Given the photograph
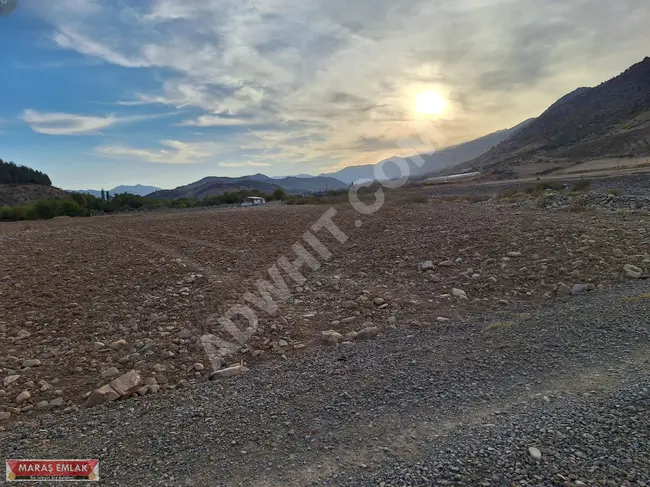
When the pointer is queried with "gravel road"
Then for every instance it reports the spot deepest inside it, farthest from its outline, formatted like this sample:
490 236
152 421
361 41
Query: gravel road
459 403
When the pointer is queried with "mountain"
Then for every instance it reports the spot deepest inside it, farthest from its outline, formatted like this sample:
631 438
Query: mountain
213 186
138 189
295 176
609 120
440 159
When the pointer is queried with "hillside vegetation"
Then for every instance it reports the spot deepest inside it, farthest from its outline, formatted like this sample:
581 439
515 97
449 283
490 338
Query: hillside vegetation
610 120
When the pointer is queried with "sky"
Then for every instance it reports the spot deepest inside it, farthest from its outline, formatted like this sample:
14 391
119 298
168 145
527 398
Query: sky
99 93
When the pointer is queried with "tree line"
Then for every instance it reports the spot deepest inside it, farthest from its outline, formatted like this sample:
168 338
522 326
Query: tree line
84 204
11 173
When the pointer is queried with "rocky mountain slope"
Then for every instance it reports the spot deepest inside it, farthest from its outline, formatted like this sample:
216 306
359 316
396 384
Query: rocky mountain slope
19 194
610 120
441 159
213 186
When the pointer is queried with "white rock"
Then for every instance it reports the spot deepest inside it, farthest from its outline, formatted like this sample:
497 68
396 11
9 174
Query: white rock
98 346
24 334
446 263
10 379
442 319
427 265
514 254
632 271
535 453
331 337
198 366
459 293
230 371
22 397
118 344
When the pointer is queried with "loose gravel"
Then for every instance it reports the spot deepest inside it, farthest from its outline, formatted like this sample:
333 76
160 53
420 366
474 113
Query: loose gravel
456 403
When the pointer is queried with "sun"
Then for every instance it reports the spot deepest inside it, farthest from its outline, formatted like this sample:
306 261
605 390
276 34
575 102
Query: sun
430 103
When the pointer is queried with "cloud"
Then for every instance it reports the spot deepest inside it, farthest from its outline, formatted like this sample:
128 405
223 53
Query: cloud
54 123
333 82
173 152
245 164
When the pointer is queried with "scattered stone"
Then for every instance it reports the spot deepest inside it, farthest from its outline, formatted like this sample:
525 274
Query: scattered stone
42 405
22 397
632 271
378 301
31 363
22 334
459 293
161 379
57 403
110 373
563 290
4 415
198 366
118 344
98 346
367 333
446 263
150 381
230 371
154 389
442 319
534 453
618 253
126 383
427 265
10 379
100 396
283 343
331 337
514 254
183 384
579 289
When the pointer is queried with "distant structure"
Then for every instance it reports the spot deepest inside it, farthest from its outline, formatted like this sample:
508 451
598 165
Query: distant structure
453 177
254 201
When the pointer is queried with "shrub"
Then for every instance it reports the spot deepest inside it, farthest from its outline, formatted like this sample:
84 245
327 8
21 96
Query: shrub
582 185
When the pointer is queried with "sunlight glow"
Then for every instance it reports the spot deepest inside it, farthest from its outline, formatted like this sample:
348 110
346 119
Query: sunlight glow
430 103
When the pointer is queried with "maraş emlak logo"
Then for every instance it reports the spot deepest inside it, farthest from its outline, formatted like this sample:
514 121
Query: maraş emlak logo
52 470
7 6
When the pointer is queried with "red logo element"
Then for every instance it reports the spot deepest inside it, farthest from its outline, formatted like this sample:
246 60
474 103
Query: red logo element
48 470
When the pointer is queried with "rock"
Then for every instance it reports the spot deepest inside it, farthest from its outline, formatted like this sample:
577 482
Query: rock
22 397
378 301
446 263
127 383
590 287
4 415
98 346
331 337
110 372
575 274
100 396
182 384
198 366
118 344
492 279
618 253
161 379
283 343
579 289
42 405
534 453
632 271
230 371
10 379
150 381
459 293
22 334
563 290
474 277
351 335
427 265
154 389
514 254
31 363
367 333
442 319
57 403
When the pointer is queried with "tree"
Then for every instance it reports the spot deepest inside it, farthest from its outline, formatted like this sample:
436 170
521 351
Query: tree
103 195
108 196
279 194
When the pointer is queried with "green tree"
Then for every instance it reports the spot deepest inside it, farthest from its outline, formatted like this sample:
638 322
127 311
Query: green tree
279 194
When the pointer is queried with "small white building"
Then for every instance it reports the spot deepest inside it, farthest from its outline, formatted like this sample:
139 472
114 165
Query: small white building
254 201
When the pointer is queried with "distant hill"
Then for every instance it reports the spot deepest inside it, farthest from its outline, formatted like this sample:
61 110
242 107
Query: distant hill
609 120
10 173
214 186
441 159
21 184
138 189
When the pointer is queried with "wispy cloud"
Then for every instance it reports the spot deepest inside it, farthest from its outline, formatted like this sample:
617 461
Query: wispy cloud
333 82
54 123
245 164
173 152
